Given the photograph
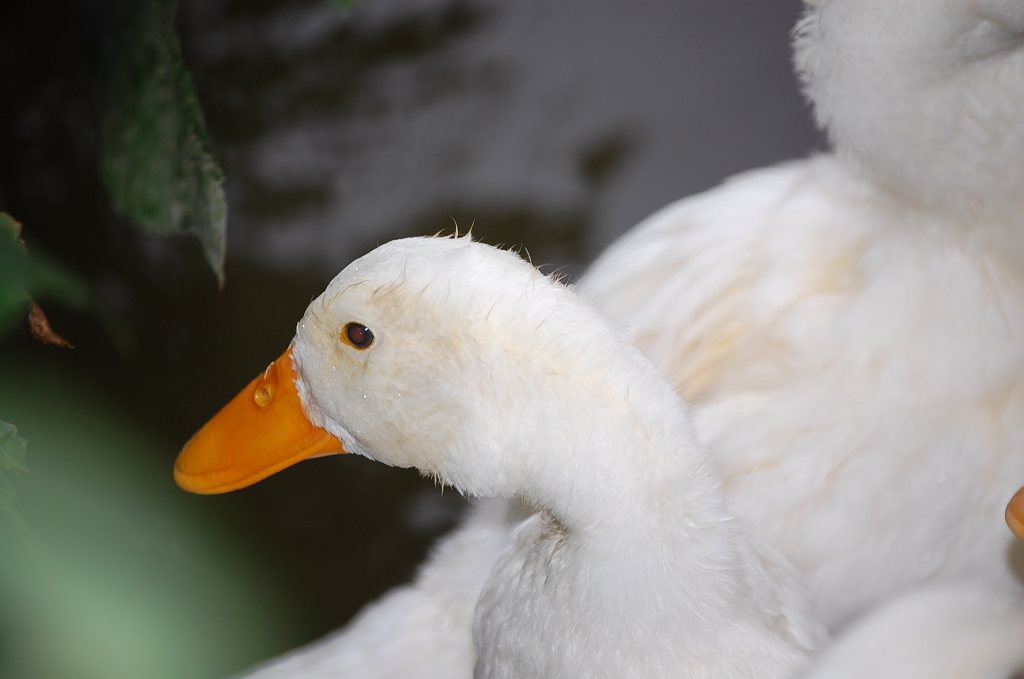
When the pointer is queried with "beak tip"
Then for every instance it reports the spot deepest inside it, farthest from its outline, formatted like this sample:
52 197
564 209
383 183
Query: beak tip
180 478
183 480
198 483
261 431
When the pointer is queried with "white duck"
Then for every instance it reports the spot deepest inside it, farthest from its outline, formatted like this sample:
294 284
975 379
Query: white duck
463 361
849 330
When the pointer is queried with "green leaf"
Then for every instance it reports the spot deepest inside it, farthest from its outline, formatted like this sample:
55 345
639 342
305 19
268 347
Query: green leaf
155 157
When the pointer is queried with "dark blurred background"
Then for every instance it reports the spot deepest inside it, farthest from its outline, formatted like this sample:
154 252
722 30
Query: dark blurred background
555 125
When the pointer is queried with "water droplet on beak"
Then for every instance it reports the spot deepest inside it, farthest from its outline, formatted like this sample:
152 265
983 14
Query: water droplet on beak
262 395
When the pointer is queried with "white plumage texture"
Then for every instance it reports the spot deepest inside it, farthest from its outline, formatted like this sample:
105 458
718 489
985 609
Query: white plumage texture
953 631
854 368
848 329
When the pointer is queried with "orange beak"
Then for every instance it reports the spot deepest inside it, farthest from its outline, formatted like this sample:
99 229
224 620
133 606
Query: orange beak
1015 514
259 432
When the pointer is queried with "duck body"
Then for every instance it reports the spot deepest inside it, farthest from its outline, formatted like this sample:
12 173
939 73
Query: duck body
854 366
849 329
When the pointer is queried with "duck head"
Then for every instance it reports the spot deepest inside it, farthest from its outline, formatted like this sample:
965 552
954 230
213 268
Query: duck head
435 353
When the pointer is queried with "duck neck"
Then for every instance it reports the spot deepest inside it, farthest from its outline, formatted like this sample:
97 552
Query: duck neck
634 481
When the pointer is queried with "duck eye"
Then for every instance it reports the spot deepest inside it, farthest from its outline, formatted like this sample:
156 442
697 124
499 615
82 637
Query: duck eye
357 335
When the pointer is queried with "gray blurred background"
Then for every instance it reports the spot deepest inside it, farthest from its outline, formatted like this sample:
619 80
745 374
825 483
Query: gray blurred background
556 125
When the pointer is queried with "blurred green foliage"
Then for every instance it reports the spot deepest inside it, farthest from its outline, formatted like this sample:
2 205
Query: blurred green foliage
155 156
105 573
121 576
23 276
108 570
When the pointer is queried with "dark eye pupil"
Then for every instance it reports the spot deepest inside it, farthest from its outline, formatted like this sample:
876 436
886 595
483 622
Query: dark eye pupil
359 335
